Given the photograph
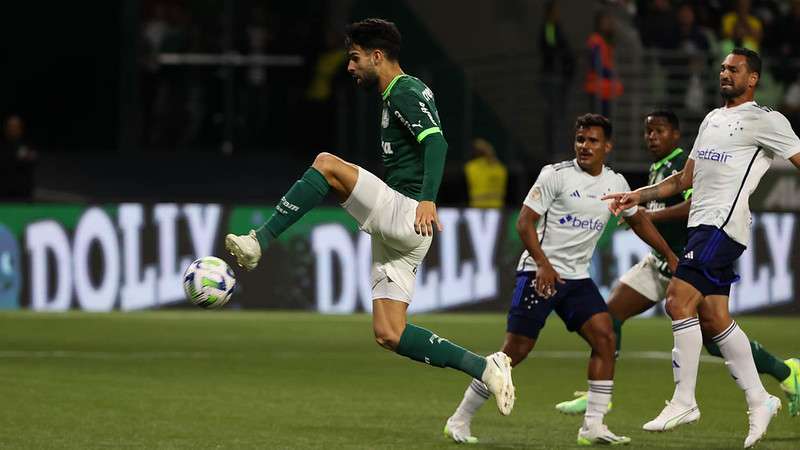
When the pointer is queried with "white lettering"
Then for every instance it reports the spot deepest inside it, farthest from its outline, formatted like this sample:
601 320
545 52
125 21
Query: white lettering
95 225
41 237
170 277
328 242
203 221
139 285
779 229
364 256
457 278
751 290
483 226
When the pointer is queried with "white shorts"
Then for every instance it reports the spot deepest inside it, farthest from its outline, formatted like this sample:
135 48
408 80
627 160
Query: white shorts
397 249
646 279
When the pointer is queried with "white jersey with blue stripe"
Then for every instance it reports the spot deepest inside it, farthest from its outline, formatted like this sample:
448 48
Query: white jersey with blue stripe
572 215
733 149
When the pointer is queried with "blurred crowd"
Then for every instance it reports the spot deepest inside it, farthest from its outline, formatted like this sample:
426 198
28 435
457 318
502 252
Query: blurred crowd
207 105
693 32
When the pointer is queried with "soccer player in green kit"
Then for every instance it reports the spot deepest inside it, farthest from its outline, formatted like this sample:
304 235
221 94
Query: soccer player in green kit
645 284
399 213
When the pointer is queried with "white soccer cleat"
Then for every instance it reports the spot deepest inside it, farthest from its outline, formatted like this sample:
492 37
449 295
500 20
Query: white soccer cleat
245 248
600 434
671 416
497 377
459 431
760 416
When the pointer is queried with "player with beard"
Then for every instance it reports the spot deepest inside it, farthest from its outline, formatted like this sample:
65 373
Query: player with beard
560 222
645 284
735 146
398 212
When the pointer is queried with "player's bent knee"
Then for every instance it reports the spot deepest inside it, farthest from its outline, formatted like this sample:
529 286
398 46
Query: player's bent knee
678 309
325 163
387 339
605 342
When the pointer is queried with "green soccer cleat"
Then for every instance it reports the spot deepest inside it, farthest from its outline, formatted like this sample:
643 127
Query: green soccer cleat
791 386
576 406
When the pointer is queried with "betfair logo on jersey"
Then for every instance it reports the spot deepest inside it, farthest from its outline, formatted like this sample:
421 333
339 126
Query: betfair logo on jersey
583 224
711 154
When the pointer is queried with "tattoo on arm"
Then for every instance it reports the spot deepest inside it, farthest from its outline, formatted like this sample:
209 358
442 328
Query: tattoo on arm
649 193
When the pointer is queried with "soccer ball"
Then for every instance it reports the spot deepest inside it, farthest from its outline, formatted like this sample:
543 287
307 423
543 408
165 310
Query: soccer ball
209 282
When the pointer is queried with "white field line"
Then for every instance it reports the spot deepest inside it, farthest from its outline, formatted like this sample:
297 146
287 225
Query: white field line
69 354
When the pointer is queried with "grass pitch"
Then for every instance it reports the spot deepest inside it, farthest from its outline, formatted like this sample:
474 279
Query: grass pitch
272 380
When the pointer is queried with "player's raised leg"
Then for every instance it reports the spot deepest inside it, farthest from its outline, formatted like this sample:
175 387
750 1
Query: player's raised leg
682 301
327 173
598 332
458 426
735 348
624 303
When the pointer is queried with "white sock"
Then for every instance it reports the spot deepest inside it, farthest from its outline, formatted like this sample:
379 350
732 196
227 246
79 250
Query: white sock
735 348
686 359
476 395
597 401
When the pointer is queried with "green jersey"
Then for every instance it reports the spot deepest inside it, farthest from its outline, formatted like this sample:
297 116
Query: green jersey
409 115
674 232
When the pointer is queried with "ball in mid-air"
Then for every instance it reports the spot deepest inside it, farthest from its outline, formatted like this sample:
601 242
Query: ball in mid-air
209 282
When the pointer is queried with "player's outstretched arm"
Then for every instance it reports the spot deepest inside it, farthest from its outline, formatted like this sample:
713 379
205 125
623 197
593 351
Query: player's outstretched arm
644 228
675 183
672 213
546 276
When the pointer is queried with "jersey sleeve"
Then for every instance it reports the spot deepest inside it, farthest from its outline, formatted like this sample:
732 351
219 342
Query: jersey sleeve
544 191
776 134
415 110
625 187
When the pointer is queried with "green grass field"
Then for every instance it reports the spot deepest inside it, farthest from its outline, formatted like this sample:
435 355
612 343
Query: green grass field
241 380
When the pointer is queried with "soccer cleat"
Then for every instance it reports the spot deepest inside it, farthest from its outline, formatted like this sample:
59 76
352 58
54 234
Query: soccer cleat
245 248
577 405
497 377
600 434
459 431
791 386
759 418
671 416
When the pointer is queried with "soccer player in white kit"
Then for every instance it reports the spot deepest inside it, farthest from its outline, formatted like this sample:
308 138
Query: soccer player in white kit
733 149
560 222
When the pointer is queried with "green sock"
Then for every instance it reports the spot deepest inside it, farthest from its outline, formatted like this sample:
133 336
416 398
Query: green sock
305 194
765 361
617 324
422 345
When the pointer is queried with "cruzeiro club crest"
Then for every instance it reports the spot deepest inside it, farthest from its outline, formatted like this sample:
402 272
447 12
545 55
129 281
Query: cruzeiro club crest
385 117
9 269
